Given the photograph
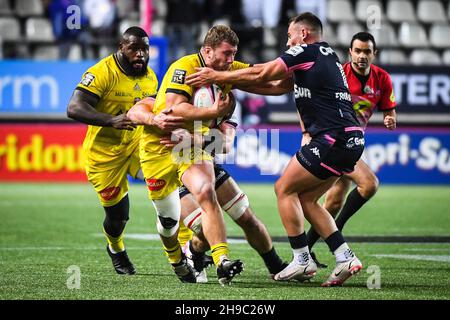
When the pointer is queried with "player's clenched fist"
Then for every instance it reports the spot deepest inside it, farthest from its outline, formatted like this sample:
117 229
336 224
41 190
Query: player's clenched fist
390 123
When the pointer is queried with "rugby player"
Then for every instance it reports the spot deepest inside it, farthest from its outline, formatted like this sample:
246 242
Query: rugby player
165 173
324 104
234 202
102 98
371 88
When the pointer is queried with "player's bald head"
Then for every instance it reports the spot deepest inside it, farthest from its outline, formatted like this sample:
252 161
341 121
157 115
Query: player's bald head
134 31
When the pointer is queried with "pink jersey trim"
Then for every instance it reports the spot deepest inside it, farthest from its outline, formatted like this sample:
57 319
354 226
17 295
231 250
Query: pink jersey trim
330 139
302 66
331 169
353 129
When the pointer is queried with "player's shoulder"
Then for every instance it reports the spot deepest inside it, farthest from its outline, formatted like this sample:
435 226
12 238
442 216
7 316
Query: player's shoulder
239 65
298 49
192 60
379 72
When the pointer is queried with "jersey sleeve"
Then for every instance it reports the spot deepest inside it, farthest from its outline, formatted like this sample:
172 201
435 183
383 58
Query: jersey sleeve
177 77
95 80
387 101
154 83
300 57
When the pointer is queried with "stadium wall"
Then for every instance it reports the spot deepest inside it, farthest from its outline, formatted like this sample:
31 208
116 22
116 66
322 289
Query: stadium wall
53 152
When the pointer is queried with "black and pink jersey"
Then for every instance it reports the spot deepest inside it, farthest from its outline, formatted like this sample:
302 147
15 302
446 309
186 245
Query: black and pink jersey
372 92
321 90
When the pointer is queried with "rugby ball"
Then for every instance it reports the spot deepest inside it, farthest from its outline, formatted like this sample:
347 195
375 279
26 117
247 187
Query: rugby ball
204 97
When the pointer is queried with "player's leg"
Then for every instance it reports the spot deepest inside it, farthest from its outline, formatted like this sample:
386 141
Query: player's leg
196 246
199 179
162 183
334 201
366 187
235 202
112 190
294 181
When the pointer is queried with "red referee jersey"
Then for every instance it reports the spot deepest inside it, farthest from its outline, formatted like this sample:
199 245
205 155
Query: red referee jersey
376 92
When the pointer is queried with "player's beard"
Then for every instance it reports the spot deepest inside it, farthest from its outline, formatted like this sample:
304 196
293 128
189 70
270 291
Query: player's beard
133 71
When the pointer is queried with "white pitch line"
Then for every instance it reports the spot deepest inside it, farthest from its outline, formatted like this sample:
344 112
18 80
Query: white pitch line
434 258
150 236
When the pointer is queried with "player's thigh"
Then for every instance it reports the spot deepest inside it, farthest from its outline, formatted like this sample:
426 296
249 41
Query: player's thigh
198 176
134 164
363 175
297 179
338 190
110 184
161 176
227 191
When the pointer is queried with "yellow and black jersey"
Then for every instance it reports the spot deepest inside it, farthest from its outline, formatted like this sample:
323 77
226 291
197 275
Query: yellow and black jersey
117 93
174 82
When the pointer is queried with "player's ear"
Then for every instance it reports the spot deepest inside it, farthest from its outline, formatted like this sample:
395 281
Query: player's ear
375 52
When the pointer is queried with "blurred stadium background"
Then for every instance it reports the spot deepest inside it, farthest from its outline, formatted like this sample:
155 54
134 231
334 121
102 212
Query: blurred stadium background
42 59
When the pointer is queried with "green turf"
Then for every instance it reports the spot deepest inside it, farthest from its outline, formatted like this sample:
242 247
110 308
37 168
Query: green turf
45 228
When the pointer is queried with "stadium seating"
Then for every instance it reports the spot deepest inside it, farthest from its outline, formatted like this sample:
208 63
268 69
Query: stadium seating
26 8
364 8
393 57
385 36
39 30
412 35
46 52
9 28
429 11
340 11
446 57
400 10
345 32
440 36
425 57
404 26
5 7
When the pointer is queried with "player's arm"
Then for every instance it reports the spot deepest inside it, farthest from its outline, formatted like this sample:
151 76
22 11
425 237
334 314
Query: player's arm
255 75
180 107
142 113
271 88
229 133
390 119
82 105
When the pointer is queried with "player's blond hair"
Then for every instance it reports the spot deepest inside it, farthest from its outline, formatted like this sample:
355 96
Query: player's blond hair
218 34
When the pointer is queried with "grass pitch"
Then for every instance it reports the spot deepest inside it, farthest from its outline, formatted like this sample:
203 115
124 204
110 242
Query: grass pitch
46 230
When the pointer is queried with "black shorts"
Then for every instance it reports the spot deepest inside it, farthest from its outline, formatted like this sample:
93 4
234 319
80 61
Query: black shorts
221 176
332 153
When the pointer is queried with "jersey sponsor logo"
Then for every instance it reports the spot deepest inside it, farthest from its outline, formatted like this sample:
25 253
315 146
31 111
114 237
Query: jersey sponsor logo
316 151
344 77
392 97
368 90
179 76
300 92
296 50
155 184
326 50
87 79
343 96
110 193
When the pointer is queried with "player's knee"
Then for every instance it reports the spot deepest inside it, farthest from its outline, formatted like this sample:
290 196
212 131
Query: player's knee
168 211
279 188
333 206
237 206
194 221
250 223
369 187
206 193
